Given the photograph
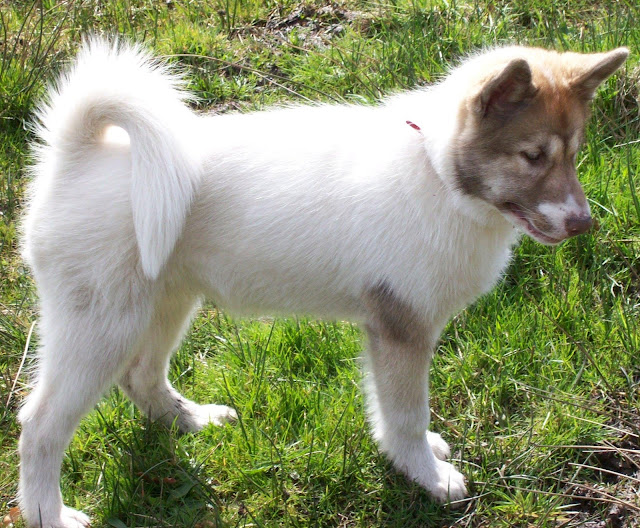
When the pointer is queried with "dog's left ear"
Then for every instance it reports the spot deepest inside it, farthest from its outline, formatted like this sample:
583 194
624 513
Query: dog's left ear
503 93
595 69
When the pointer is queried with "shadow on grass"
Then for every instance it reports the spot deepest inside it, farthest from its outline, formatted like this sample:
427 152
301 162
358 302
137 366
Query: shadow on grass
155 476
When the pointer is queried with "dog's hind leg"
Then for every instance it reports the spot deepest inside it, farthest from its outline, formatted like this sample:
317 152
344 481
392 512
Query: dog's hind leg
82 352
145 380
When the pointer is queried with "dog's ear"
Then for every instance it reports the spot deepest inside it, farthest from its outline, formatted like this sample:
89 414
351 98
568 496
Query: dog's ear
595 68
506 91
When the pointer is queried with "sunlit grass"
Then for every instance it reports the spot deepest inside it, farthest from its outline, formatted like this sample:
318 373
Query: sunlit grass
535 386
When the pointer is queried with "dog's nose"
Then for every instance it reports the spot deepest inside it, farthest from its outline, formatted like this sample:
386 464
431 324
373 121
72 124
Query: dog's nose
578 224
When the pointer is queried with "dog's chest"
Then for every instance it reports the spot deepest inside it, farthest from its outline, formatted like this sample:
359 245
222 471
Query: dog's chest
466 265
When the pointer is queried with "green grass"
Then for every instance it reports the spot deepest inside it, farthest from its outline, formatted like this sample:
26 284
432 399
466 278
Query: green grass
535 386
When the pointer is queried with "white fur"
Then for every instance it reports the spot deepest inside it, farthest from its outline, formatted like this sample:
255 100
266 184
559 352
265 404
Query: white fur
127 88
557 213
294 210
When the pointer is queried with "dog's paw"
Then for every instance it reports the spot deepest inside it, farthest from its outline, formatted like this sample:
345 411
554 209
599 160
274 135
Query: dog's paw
439 447
74 518
69 518
202 415
218 414
421 463
449 484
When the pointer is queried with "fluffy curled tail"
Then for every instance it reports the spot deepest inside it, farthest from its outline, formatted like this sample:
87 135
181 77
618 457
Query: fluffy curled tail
118 84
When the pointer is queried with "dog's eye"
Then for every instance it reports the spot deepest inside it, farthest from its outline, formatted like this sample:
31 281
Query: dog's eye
532 156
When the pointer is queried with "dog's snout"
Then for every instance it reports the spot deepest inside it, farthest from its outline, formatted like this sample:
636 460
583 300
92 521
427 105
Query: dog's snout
578 224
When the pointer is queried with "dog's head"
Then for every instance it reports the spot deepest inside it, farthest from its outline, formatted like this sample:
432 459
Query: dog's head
519 132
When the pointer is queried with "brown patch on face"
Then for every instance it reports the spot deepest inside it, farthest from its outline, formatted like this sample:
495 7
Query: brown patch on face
555 123
392 318
490 150
468 179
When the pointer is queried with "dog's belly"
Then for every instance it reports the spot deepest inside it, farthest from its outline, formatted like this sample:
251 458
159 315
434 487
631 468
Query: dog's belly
330 280
249 283
260 296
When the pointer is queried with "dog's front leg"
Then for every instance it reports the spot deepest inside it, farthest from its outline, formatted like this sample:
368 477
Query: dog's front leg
397 383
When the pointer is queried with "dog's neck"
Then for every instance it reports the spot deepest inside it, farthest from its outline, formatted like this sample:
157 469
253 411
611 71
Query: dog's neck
433 115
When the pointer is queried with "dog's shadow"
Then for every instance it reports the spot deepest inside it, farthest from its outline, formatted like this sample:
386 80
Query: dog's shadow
147 471
153 475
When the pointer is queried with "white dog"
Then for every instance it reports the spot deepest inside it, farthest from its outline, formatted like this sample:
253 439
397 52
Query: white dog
396 216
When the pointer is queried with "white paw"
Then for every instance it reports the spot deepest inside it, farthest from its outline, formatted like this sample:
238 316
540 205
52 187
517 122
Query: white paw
69 518
449 485
74 518
420 463
439 447
202 415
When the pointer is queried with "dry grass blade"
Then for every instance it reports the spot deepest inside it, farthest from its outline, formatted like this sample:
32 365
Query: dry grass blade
607 471
595 449
268 78
604 497
17 376
607 426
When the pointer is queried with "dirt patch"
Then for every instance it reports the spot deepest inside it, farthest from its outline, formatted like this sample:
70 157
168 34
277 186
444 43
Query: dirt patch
611 497
308 25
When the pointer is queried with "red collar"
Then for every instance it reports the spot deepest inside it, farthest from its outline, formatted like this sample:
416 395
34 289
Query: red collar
413 125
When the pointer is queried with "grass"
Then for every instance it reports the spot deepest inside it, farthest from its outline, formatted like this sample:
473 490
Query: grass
535 386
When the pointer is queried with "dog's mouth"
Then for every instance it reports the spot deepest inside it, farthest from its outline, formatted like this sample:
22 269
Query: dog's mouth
517 215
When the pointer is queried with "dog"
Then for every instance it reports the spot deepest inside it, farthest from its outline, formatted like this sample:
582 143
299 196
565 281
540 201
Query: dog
395 216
